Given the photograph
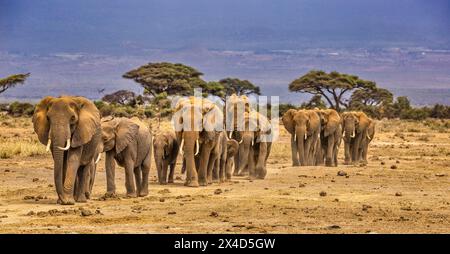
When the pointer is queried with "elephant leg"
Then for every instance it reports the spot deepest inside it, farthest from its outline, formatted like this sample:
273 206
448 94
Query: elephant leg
335 154
203 166
356 148
73 164
163 179
347 153
229 168
146 165
92 173
110 167
213 170
223 168
138 178
129 178
83 183
236 163
330 147
308 145
260 170
171 172
294 151
251 162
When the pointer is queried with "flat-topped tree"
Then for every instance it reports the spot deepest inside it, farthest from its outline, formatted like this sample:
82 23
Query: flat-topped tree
12 81
239 87
370 96
333 86
169 78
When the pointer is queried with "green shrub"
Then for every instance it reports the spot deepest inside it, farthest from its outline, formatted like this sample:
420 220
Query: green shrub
20 109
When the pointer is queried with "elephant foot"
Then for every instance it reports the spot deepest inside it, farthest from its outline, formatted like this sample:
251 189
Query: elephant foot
82 199
67 201
203 183
110 195
347 163
143 193
251 177
88 195
162 183
296 164
192 183
131 195
171 181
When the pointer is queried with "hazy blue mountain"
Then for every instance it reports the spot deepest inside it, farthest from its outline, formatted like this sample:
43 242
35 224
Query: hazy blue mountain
76 46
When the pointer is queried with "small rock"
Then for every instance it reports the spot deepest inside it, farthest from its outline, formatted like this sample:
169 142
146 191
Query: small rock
35 179
322 193
394 167
31 213
341 173
214 214
382 163
162 199
301 185
7 170
172 212
398 194
440 174
366 207
86 212
397 162
218 191
165 191
178 178
3 216
334 227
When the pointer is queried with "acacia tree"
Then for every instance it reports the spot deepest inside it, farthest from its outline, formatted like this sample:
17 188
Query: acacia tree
370 96
12 81
122 97
228 86
333 86
169 78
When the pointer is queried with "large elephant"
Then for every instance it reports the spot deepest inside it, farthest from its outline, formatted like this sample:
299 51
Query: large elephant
355 127
369 137
165 149
330 137
198 125
70 127
129 143
304 127
235 108
256 144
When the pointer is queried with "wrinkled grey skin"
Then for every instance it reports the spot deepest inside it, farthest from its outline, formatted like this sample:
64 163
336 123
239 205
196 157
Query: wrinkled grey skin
219 165
232 154
330 137
165 150
255 150
75 120
207 119
129 143
355 135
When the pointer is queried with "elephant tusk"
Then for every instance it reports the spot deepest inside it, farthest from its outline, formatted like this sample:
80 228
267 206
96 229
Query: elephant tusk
343 134
253 142
197 148
353 135
98 158
318 135
240 142
181 146
306 136
295 136
67 145
231 134
49 142
368 137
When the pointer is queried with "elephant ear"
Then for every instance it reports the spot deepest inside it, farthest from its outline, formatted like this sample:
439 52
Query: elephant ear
213 119
126 132
88 122
40 122
288 120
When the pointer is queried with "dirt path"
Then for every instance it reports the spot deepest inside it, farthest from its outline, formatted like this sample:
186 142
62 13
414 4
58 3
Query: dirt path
405 188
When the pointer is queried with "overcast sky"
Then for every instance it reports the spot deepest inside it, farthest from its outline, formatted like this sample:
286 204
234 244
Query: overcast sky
115 26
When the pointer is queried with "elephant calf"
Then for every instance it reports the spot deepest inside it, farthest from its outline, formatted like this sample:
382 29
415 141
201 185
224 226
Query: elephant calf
129 143
165 150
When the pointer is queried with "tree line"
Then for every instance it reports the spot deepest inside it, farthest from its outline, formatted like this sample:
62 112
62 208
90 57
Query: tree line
340 91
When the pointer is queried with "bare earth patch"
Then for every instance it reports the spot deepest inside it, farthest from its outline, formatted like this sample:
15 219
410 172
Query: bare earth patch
412 197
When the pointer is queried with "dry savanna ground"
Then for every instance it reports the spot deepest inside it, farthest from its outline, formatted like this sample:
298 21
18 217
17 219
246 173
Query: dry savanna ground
405 188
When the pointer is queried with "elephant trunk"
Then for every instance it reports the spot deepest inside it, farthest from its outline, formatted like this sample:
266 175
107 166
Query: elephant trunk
301 134
246 143
58 138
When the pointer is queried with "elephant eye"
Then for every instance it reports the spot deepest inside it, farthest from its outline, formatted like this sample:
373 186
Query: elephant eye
72 119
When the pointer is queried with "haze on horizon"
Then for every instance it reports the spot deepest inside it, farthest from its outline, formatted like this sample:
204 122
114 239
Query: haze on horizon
77 46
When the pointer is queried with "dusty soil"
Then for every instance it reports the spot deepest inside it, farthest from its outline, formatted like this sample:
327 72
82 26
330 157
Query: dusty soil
405 188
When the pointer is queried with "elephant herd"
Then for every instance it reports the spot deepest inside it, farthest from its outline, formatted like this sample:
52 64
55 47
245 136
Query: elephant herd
317 134
214 143
72 129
